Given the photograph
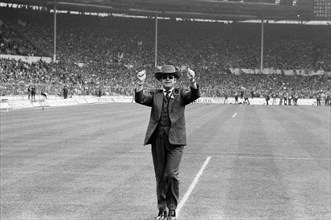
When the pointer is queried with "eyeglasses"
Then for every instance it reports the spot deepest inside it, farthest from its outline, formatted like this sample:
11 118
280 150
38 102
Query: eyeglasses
167 77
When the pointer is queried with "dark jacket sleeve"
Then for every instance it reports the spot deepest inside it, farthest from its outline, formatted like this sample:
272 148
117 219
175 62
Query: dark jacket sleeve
144 97
191 94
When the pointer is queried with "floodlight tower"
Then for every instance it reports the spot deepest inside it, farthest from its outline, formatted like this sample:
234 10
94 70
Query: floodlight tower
54 55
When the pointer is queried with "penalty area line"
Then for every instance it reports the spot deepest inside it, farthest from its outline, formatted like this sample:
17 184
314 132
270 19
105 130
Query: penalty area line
190 189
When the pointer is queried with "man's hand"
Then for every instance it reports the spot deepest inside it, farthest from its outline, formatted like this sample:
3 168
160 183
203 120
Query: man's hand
190 74
191 77
141 76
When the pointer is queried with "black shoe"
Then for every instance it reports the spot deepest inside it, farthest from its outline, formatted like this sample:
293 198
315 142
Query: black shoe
162 215
172 215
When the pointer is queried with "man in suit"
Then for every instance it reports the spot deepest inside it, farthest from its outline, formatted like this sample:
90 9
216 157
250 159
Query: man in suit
166 132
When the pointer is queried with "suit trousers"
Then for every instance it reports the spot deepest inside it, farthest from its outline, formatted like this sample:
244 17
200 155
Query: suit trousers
166 160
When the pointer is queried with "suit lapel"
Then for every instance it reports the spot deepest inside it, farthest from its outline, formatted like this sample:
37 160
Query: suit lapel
159 101
172 100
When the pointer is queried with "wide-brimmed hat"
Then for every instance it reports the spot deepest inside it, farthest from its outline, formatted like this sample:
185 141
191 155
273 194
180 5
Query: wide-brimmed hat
167 70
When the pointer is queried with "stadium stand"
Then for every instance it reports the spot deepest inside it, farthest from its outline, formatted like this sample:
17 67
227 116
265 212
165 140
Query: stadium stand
104 53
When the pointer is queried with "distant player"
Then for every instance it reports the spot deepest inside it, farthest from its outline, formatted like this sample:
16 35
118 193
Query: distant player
236 96
29 92
274 97
33 92
289 98
226 101
65 92
246 94
43 93
318 98
267 98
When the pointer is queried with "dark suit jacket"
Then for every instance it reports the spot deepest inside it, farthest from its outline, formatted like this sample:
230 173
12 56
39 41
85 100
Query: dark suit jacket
154 98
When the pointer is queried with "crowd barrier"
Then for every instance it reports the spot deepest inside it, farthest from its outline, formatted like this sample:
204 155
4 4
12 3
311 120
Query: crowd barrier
12 103
252 101
302 72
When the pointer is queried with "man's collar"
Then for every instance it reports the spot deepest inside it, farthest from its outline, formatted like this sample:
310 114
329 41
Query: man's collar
164 91
171 92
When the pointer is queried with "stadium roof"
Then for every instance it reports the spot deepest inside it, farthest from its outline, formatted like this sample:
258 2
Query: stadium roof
202 9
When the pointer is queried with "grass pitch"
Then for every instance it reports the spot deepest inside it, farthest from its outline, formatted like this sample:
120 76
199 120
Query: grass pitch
88 162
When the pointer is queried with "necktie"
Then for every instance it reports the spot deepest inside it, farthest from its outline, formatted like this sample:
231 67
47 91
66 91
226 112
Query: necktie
168 95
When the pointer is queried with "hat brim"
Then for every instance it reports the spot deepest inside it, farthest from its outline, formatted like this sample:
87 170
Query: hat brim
158 75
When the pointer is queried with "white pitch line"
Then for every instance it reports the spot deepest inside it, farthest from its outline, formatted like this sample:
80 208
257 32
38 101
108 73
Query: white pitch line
234 115
190 189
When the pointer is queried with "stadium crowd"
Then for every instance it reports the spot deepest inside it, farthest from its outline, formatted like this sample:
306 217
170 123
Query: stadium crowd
103 54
